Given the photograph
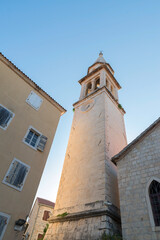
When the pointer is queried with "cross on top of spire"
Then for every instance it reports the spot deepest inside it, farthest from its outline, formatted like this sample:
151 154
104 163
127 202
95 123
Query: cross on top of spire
100 58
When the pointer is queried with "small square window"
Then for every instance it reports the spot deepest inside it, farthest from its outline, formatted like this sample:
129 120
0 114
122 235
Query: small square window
4 219
46 215
16 174
35 139
40 236
34 100
5 117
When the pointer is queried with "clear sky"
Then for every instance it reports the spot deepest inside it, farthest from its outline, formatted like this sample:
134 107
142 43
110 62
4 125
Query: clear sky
54 42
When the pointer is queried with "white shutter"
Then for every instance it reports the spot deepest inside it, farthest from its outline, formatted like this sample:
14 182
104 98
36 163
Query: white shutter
34 100
42 143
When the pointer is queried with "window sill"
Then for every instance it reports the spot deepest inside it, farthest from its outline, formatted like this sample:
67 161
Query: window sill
156 228
12 186
34 148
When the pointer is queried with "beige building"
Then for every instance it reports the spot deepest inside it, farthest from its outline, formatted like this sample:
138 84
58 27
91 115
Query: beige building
41 211
87 202
28 121
139 185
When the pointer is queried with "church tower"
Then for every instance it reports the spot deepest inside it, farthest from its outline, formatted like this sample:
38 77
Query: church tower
87 202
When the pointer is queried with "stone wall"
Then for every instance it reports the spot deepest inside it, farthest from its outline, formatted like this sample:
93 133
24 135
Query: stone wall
136 170
81 228
36 222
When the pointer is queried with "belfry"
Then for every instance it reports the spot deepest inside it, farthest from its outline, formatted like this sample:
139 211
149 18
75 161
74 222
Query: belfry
87 203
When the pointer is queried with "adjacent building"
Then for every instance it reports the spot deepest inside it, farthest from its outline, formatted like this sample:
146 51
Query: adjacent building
87 203
139 185
41 211
28 122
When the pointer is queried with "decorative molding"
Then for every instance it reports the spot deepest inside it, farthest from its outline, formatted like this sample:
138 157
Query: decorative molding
86 214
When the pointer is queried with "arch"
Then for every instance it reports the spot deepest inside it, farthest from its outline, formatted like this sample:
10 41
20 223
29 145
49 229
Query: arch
152 195
88 88
107 83
111 89
97 83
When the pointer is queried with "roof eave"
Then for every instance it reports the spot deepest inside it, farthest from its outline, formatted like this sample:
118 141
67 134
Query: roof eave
131 145
31 82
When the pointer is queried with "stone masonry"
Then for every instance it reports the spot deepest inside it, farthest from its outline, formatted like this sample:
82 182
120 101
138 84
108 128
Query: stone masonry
138 165
88 189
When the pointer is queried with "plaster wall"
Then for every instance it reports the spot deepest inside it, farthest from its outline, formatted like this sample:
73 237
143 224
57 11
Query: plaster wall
13 94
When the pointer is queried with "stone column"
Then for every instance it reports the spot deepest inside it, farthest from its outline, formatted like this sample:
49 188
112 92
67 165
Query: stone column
83 91
93 85
102 78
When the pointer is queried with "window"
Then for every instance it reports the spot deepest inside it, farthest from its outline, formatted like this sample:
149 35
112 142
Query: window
16 174
35 139
40 236
4 219
32 138
46 215
89 87
5 117
154 194
97 84
34 100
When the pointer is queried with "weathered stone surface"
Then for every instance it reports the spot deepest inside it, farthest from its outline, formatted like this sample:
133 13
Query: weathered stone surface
89 178
136 170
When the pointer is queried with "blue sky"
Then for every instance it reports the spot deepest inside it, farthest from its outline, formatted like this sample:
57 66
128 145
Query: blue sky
54 42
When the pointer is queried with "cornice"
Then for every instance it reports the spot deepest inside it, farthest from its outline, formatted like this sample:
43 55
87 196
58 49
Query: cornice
86 214
100 89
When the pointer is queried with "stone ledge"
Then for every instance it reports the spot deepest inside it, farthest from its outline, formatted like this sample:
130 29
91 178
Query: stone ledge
86 214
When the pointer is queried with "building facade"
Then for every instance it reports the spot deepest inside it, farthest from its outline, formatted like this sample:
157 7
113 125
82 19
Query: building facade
139 185
28 121
87 202
41 211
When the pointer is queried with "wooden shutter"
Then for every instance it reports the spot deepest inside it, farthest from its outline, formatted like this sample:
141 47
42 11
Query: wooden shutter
3 222
40 236
5 116
46 215
42 143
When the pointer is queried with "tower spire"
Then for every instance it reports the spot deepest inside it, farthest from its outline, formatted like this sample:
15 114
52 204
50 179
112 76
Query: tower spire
100 59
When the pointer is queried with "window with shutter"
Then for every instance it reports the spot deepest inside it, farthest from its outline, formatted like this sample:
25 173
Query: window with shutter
5 117
4 219
35 139
46 215
16 174
34 100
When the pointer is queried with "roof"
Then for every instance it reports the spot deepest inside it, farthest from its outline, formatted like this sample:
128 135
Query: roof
31 82
96 70
45 202
131 145
100 59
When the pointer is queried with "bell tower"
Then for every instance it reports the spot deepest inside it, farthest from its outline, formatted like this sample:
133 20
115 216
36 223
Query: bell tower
87 202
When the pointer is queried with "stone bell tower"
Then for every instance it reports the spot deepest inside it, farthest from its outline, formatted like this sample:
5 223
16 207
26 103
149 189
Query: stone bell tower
87 203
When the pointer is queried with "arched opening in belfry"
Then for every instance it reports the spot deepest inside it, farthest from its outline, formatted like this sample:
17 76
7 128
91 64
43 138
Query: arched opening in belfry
97 83
112 91
88 89
154 195
107 83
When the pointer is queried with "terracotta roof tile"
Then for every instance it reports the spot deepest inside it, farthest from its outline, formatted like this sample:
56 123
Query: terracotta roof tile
45 202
